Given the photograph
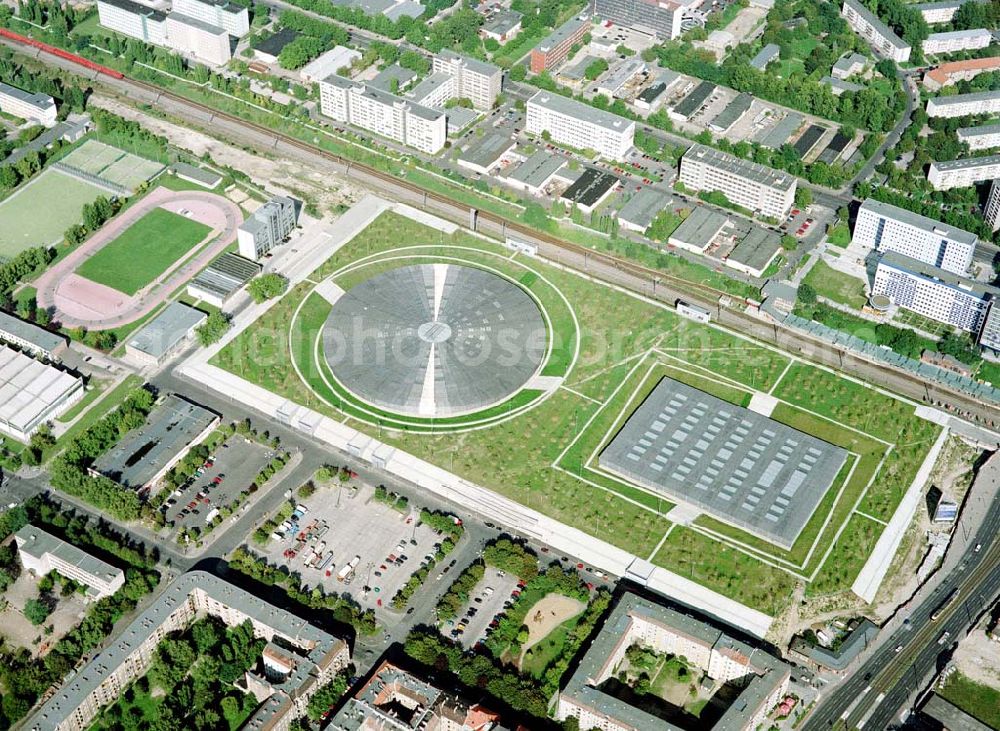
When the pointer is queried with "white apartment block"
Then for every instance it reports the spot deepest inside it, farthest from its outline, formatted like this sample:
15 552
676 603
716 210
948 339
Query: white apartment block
991 213
37 108
383 113
318 655
232 18
962 105
41 552
434 91
933 292
958 40
885 228
475 80
133 20
579 125
267 227
984 137
963 173
208 43
763 190
879 35
940 11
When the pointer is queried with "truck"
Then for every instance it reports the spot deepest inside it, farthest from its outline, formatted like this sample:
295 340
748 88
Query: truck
347 570
326 561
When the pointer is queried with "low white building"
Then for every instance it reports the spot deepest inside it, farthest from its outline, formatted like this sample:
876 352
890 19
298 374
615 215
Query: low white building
165 335
958 40
962 105
579 125
945 175
41 552
331 62
880 36
37 108
983 137
32 393
763 190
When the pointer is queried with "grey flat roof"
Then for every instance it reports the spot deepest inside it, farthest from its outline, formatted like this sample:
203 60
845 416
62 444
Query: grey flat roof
409 8
473 64
980 131
835 83
622 74
537 169
733 111
485 152
929 225
850 648
939 4
226 274
757 249
137 9
700 227
196 23
37 336
929 271
873 20
166 329
385 97
37 100
428 86
744 168
30 388
143 452
579 110
590 187
951 716
742 468
36 542
693 101
642 208
782 131
967 163
950 35
206 177
975 96
564 31
767 54
846 62
578 70
503 21
273 45
384 78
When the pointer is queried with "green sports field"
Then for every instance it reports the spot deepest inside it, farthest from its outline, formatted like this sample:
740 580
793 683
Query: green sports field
38 213
145 250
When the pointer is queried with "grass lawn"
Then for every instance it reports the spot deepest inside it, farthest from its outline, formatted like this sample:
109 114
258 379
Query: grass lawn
94 389
840 235
974 698
59 196
836 286
989 372
111 401
144 251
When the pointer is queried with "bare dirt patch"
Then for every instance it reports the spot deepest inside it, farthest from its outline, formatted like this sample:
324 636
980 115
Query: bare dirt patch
547 614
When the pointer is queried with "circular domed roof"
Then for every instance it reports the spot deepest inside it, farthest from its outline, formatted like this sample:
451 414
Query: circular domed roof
434 340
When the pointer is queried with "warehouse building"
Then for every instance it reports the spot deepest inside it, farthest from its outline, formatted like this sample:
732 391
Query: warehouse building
32 393
554 48
733 113
37 108
883 227
697 232
652 97
579 125
961 105
590 190
693 102
880 36
613 84
232 18
642 208
41 552
484 155
755 253
318 656
945 175
223 278
478 81
759 680
268 227
951 73
165 335
268 50
331 62
763 190
502 26
30 338
663 17
539 171
957 40
385 114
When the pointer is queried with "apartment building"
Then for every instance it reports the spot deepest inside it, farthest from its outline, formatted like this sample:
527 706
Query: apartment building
232 18
475 80
759 679
885 228
933 292
880 36
663 17
941 11
983 137
385 114
41 552
37 108
761 189
204 41
963 173
958 40
579 125
554 48
991 213
315 655
267 227
208 43
133 20
951 73
962 105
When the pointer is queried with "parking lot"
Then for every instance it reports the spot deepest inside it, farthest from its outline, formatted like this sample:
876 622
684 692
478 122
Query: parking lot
233 467
491 597
346 526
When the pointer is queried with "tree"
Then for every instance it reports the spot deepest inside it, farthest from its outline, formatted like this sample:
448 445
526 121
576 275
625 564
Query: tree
267 286
36 611
803 196
807 294
214 327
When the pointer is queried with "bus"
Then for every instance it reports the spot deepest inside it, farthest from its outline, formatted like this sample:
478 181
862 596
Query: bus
948 601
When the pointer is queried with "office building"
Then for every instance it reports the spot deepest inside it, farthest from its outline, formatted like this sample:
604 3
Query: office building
222 279
331 62
41 552
880 36
757 679
579 125
385 114
961 105
478 81
848 66
663 17
944 175
166 335
940 11
208 43
983 137
989 335
315 656
554 48
991 213
232 18
883 228
30 338
204 41
268 227
502 26
763 190
32 393
951 73
133 20
393 699
37 108
933 292
958 40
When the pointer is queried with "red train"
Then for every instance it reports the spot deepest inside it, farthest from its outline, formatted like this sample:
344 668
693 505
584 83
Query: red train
79 60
